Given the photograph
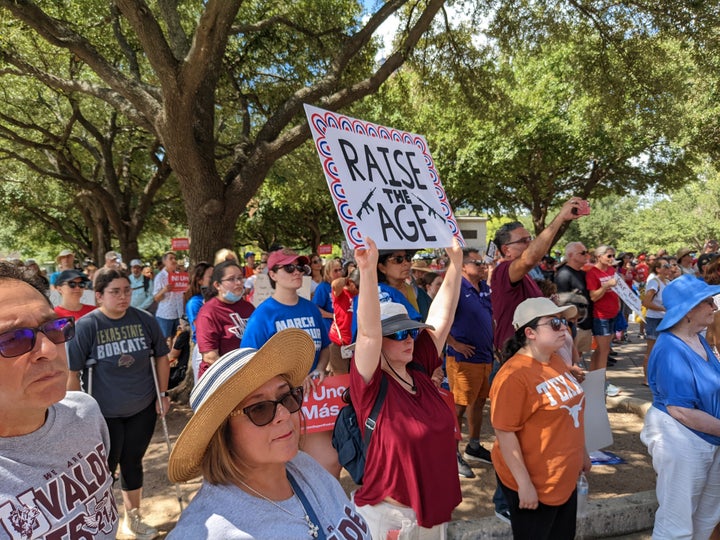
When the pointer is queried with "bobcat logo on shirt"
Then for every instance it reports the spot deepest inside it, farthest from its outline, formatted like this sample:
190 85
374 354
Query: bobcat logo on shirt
24 520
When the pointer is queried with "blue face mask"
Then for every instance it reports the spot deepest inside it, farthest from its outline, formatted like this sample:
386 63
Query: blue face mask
232 297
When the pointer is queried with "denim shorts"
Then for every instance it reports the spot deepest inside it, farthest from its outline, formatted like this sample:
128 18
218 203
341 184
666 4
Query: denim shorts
651 324
603 327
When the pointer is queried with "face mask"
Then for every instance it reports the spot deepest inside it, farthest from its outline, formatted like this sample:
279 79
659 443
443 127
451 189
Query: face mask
232 297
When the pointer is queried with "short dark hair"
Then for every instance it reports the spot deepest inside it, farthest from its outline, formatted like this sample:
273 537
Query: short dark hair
9 272
467 251
104 276
503 234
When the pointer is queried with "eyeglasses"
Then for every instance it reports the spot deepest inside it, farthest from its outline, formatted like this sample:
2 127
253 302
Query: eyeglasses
234 279
525 240
584 252
556 323
263 412
399 259
476 262
401 335
316 261
22 340
77 284
119 292
290 268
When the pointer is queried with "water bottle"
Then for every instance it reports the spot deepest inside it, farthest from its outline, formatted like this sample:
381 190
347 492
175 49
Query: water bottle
582 494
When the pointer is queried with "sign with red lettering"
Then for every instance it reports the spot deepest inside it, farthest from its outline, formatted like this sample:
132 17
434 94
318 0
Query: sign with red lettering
325 249
179 281
323 404
180 244
383 182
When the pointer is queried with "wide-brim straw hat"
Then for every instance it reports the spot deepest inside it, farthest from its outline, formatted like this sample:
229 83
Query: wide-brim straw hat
229 380
681 295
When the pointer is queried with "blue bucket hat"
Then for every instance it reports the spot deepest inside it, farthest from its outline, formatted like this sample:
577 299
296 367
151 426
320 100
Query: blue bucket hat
681 295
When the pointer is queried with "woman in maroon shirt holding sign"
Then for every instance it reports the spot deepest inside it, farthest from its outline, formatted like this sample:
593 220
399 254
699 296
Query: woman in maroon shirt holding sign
220 323
411 483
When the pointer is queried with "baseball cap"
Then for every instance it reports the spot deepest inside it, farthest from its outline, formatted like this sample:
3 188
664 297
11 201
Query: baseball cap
285 256
534 308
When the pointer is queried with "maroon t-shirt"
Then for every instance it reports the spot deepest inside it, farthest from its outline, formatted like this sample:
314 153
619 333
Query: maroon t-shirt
505 297
220 326
411 457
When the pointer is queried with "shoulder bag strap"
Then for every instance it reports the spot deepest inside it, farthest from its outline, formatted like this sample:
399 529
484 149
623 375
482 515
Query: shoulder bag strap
320 533
371 421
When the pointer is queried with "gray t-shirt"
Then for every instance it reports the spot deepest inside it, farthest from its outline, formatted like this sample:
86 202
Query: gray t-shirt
227 512
120 351
54 482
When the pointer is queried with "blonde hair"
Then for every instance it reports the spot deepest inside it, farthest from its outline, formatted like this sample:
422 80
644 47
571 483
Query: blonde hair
221 255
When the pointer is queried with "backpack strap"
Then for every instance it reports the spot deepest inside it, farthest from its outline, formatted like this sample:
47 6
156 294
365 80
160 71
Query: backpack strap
371 421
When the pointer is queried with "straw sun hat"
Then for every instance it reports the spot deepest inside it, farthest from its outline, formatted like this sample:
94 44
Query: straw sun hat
226 383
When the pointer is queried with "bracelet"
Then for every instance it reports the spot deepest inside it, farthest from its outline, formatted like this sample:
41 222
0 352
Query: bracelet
163 394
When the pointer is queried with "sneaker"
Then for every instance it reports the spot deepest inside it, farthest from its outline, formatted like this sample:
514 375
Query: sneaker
611 390
133 526
477 455
503 515
464 469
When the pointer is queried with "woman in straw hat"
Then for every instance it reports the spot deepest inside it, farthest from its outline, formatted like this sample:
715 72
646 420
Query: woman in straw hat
243 438
537 409
411 478
682 428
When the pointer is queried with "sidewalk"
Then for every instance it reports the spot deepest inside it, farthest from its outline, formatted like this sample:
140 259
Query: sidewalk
629 516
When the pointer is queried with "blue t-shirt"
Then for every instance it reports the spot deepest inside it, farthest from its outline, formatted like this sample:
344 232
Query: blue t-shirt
191 312
386 293
322 298
271 316
473 323
679 377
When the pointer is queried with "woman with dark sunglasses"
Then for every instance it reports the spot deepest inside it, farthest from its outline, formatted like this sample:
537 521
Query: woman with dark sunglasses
71 284
287 309
537 410
112 351
411 484
393 269
243 438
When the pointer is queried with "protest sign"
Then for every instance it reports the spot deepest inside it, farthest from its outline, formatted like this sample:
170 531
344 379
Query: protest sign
323 404
262 290
628 296
179 281
383 182
598 433
180 244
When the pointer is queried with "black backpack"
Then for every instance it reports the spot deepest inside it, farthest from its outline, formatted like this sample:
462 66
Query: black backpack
346 439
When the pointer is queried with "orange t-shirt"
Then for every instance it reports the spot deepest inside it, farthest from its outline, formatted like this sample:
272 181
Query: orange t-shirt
543 405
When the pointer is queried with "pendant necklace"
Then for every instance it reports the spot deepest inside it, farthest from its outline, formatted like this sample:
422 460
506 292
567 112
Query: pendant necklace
410 385
312 528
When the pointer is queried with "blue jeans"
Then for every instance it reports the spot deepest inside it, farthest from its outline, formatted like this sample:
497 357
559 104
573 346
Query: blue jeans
167 326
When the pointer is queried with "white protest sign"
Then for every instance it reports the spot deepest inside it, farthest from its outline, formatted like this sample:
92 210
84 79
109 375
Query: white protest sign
383 182
598 433
628 296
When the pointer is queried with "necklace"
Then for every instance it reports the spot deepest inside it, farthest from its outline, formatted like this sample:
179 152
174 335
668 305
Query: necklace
312 528
410 385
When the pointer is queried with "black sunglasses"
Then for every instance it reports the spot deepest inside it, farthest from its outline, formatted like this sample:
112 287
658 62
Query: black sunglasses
401 335
290 268
74 284
398 259
582 252
22 340
476 262
263 412
556 323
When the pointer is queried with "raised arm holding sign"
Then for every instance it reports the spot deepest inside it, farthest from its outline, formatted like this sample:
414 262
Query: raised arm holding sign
383 182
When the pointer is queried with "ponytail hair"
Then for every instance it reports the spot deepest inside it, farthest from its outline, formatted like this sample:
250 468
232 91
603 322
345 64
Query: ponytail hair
517 341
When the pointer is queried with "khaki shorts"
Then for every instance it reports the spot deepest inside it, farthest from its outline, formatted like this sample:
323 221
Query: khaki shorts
468 381
337 364
583 340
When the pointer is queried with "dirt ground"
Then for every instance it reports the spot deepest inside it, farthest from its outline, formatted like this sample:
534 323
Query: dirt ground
161 508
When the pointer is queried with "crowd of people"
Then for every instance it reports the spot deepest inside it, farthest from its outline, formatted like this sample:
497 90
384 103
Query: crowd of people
511 331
